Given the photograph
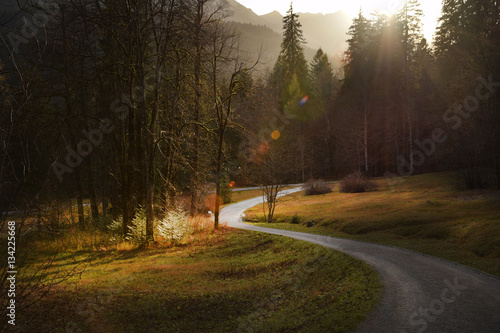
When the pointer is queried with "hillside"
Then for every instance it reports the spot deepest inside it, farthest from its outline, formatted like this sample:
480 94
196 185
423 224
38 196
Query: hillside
325 31
263 42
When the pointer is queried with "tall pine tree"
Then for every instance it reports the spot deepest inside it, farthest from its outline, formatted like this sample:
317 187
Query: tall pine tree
291 71
467 47
358 76
409 22
292 51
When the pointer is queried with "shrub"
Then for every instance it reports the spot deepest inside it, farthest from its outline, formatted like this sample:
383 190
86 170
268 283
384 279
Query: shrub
316 187
137 229
116 226
356 182
295 219
137 232
174 226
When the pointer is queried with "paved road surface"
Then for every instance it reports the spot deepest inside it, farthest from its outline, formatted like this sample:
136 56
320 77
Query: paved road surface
421 293
238 189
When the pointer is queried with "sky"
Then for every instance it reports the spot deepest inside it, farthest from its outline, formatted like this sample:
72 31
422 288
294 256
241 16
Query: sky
431 8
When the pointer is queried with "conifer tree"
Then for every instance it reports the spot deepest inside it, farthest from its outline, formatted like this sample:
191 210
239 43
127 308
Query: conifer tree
358 77
292 50
324 86
467 47
410 26
291 68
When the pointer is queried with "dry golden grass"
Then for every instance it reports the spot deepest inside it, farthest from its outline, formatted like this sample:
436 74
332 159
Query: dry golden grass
427 213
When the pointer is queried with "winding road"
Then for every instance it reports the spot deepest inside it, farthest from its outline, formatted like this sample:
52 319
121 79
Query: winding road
421 293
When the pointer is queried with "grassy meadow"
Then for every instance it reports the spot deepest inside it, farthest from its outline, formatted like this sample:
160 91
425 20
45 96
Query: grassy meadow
214 281
429 213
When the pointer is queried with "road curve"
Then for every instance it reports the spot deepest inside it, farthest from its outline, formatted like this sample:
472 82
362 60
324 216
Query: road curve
421 293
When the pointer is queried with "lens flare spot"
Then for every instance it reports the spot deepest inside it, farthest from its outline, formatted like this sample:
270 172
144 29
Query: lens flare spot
275 135
260 153
211 200
263 148
304 100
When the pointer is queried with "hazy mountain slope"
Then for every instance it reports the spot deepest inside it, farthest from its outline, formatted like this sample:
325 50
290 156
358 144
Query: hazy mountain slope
325 31
260 41
274 20
242 14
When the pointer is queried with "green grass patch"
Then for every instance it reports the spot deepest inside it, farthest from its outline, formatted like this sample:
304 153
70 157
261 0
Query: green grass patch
428 213
225 281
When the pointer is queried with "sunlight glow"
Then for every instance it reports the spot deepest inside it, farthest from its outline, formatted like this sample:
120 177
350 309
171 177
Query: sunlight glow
431 8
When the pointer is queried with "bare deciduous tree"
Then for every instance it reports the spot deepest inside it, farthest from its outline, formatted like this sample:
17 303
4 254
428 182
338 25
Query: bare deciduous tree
271 170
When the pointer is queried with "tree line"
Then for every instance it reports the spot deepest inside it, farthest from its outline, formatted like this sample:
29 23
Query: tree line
131 104
399 105
123 103
415 108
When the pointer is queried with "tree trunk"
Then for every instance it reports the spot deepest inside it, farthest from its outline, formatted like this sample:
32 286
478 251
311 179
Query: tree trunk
79 198
218 178
197 104
94 207
497 169
272 204
126 216
104 204
264 203
496 155
366 137
150 179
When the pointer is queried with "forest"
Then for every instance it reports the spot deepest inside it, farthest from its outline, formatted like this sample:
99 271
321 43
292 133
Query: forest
124 106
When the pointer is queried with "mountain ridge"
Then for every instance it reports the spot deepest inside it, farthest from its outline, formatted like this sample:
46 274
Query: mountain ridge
328 31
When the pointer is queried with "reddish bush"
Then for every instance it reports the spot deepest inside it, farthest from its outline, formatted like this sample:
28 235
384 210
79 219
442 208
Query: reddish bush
356 182
315 187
